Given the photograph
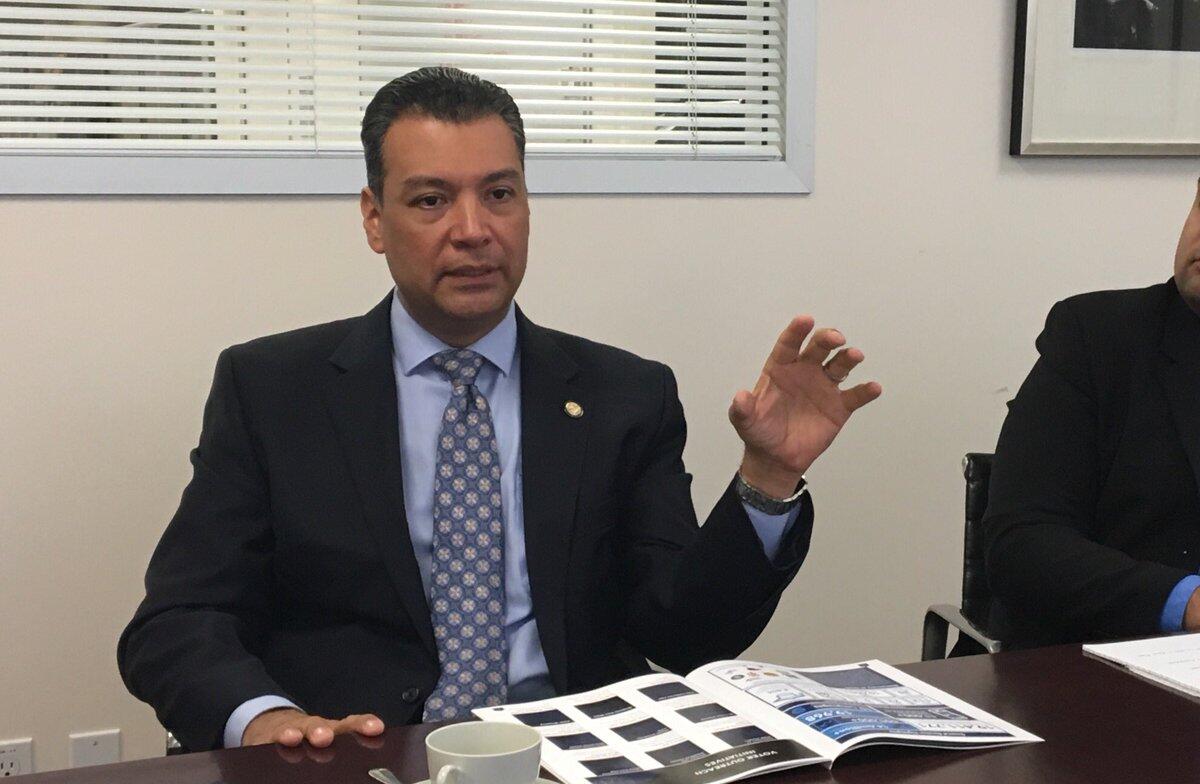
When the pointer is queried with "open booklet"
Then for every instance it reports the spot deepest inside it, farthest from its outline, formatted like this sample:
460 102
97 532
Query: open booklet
733 719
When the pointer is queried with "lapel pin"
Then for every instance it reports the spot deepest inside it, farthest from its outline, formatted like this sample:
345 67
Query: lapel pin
573 409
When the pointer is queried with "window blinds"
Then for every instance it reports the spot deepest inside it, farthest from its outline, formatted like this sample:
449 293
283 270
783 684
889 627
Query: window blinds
615 78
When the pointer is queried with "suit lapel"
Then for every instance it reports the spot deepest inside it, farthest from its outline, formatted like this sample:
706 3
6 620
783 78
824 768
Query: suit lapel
1179 370
552 446
362 402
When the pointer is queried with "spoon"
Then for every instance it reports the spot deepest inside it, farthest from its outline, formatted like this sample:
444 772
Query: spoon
384 775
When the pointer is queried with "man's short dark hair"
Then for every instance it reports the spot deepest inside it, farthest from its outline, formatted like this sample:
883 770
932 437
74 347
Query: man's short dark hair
443 93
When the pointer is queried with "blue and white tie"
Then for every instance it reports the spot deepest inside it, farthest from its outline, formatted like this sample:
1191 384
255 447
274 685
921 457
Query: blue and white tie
467 577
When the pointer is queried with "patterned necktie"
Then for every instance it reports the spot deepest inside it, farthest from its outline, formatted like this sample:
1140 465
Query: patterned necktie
467 576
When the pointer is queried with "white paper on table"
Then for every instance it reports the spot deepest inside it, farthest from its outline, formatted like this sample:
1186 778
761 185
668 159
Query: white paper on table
1172 661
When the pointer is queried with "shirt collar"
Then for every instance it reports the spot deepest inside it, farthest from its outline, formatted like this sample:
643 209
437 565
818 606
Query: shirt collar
412 344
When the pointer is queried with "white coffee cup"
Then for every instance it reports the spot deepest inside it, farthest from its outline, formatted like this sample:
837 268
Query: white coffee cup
484 752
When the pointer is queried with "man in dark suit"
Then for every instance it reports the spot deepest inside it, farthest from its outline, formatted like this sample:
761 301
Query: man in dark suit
440 505
1093 521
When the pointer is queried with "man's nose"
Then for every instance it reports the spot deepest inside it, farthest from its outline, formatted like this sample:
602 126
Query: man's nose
469 227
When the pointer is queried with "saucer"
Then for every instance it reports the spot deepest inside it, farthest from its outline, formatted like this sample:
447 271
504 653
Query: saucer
538 781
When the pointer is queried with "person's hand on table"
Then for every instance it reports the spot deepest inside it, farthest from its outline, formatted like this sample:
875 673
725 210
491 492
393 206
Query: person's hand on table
290 727
796 409
1191 613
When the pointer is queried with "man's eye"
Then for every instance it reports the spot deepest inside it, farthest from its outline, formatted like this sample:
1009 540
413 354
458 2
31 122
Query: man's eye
428 201
500 194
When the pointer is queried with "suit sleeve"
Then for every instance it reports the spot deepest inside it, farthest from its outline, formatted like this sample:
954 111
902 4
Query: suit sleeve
1043 560
698 593
189 650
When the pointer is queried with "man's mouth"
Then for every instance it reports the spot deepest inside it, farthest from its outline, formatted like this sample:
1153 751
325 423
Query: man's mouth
471 271
471 276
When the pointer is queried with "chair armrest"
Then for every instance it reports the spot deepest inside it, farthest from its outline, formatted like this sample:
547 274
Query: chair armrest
938 619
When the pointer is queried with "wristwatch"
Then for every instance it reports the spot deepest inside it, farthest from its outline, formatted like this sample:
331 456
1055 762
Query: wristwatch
764 503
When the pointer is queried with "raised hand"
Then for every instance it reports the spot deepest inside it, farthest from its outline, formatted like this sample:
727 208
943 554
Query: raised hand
797 408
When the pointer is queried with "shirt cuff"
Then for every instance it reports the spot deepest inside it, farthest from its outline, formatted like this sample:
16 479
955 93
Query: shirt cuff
772 529
1172 614
247 712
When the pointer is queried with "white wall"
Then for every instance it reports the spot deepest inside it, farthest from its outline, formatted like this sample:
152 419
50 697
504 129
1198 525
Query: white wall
929 246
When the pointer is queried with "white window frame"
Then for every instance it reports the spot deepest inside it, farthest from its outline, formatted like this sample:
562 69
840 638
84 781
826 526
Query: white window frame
344 173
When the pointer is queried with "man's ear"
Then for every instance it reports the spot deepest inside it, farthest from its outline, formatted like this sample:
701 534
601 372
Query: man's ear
370 208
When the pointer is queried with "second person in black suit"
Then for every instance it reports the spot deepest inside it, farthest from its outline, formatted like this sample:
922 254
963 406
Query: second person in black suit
1093 521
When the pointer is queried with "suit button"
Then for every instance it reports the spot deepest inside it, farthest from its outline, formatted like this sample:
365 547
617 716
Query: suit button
410 695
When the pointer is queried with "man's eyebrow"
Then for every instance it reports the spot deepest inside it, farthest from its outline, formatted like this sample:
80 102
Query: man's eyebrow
427 181
503 174
424 181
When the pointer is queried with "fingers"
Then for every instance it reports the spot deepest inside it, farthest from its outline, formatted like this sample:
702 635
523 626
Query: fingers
787 347
278 725
319 732
790 347
857 397
362 723
842 363
289 736
741 409
822 343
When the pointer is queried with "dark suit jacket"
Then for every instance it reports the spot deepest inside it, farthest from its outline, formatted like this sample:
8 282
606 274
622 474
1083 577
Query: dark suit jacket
1093 514
288 568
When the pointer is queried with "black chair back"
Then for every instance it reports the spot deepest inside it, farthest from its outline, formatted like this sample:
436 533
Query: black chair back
971 618
976 597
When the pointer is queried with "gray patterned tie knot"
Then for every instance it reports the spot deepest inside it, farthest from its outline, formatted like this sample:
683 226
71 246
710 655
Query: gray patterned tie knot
460 364
467 597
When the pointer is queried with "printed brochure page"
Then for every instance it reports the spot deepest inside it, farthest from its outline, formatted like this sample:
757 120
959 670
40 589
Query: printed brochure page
854 704
655 729
730 720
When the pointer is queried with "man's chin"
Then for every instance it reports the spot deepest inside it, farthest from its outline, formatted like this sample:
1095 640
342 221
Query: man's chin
1189 288
477 309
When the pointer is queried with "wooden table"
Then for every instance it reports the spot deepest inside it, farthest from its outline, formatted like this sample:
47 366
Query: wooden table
1099 724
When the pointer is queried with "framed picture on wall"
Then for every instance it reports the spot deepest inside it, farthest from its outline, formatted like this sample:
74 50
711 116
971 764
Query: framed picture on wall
1106 77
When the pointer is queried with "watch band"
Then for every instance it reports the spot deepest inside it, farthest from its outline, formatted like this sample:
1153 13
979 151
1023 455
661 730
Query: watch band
764 503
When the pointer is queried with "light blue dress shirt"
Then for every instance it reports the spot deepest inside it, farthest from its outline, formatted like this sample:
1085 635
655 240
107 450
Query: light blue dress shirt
421 395
1173 610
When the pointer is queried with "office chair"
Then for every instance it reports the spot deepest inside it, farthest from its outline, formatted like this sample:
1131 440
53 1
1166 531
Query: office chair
971 618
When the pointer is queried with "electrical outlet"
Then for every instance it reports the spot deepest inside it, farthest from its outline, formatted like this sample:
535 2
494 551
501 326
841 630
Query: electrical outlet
95 748
16 757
